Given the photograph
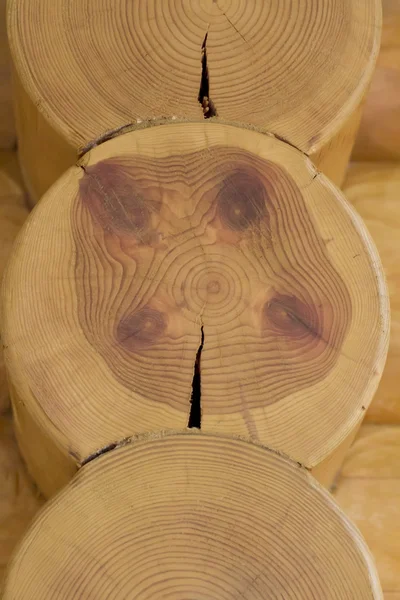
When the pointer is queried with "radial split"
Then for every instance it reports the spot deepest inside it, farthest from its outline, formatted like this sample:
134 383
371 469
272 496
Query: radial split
168 230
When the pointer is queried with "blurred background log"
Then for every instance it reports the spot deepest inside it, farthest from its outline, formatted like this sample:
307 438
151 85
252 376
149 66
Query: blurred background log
379 135
13 212
7 127
369 491
19 498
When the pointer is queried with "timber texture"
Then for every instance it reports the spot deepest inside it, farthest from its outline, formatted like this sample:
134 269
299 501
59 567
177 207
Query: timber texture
192 275
296 68
184 516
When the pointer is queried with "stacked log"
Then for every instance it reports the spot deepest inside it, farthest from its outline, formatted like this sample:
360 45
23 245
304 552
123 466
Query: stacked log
183 516
194 319
299 70
379 136
192 261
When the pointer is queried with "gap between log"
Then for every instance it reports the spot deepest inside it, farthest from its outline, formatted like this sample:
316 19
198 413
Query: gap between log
160 434
105 449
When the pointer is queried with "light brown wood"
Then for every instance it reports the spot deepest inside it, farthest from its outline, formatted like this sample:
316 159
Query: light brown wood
43 155
333 158
7 128
379 134
13 212
391 23
374 190
184 241
328 471
368 491
293 68
19 498
185 515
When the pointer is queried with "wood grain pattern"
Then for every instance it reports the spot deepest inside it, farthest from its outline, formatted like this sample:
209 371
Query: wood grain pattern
13 212
368 492
127 203
281 67
184 245
186 515
379 135
19 498
374 189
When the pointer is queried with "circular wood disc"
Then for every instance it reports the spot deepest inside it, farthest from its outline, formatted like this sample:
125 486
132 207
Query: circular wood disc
192 516
297 68
195 257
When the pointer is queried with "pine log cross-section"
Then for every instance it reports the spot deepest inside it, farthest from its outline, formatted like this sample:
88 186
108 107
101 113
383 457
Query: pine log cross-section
192 275
296 68
192 516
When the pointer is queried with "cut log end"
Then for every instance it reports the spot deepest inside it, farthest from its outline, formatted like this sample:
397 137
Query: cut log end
192 516
293 68
180 272
197 58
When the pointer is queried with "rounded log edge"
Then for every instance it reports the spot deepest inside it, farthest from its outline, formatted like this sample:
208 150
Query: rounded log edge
374 189
13 212
192 275
251 64
183 515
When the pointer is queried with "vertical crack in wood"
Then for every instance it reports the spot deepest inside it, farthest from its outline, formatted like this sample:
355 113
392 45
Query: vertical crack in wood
207 104
195 401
